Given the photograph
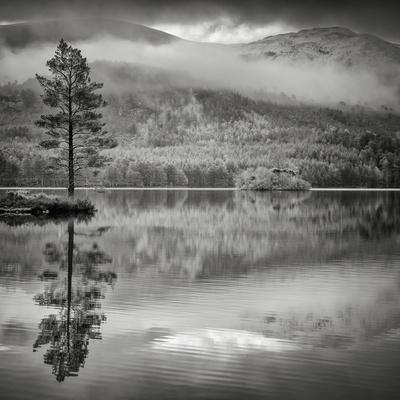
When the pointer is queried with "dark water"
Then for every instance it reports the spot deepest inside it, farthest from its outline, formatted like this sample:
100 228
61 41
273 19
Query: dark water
222 295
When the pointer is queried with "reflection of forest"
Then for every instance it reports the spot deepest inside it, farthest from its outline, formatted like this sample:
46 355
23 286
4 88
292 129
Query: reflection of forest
200 234
76 289
210 233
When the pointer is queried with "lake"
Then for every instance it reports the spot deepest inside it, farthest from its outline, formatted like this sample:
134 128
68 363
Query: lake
205 294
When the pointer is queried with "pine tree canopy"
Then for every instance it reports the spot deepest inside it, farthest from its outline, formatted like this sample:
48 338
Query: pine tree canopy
76 124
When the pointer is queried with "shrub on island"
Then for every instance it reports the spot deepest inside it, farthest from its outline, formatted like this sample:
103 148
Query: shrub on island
266 179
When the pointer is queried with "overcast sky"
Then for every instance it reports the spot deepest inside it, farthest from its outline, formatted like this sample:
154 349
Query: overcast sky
221 20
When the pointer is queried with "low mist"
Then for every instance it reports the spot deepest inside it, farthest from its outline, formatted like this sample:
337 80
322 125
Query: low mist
215 66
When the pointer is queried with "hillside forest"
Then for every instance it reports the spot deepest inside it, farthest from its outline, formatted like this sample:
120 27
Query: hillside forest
188 137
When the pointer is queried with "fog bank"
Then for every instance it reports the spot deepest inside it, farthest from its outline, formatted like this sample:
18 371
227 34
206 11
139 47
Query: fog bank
219 67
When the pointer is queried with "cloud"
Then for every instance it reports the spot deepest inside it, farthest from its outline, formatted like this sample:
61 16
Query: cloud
216 66
378 17
222 30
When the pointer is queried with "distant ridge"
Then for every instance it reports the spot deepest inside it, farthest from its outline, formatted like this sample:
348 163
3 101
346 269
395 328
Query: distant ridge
333 44
330 44
334 30
23 34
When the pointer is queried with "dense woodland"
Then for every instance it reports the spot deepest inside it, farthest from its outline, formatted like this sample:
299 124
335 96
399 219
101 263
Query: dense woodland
173 136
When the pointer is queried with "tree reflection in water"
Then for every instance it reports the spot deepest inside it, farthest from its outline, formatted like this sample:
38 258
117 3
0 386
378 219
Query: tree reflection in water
79 318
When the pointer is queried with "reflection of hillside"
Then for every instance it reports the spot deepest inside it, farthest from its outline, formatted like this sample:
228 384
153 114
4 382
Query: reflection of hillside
370 215
244 230
210 233
77 295
383 220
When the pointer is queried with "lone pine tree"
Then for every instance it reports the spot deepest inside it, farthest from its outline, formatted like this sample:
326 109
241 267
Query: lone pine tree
76 126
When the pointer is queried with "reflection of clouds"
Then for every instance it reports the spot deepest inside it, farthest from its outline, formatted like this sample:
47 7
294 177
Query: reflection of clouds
224 341
8 349
363 303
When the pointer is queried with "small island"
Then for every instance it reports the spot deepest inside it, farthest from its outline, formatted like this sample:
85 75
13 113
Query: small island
271 179
42 205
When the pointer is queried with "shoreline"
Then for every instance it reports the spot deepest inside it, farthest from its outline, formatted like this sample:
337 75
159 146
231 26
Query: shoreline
204 189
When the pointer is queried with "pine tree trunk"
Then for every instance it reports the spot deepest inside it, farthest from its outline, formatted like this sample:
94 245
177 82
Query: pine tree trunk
71 180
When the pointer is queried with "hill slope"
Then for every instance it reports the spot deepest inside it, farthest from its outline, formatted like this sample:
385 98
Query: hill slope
21 35
206 138
323 45
326 45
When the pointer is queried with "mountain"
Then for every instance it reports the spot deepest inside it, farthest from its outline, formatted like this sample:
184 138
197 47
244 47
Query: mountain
319 65
325 45
21 35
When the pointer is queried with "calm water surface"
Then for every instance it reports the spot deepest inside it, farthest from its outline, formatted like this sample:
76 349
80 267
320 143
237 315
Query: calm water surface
197 294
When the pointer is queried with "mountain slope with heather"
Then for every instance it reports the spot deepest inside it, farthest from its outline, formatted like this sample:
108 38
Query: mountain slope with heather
335 44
